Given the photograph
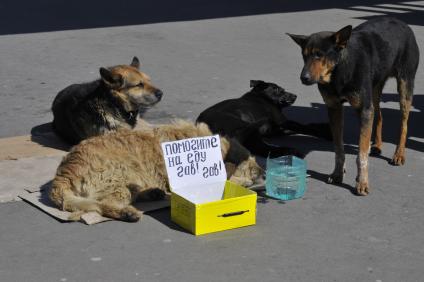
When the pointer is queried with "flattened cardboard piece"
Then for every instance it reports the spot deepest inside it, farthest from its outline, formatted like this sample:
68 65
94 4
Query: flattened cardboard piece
40 200
27 146
28 174
91 218
195 162
43 142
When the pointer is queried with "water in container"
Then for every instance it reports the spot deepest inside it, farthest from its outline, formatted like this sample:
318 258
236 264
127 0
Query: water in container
285 177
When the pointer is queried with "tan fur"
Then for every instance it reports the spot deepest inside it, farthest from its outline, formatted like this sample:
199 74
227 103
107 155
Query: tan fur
321 69
405 106
136 89
246 173
107 173
378 141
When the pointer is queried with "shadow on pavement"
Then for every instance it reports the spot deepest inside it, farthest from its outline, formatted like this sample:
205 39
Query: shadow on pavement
43 134
164 217
53 15
411 14
391 125
323 178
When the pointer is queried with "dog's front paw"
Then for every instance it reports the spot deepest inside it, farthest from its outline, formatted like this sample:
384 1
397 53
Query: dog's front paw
130 214
336 177
398 159
362 188
242 181
375 151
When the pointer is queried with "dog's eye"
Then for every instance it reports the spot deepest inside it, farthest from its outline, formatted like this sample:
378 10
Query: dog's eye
141 84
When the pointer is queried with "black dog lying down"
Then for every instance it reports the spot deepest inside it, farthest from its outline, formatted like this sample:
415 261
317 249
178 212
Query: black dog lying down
258 114
110 103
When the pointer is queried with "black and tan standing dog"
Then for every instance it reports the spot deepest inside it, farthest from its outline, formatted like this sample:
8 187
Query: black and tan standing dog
353 66
107 104
258 114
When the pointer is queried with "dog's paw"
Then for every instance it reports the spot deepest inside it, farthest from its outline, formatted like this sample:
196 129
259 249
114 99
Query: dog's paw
375 151
242 181
362 188
245 182
75 216
130 214
398 159
336 177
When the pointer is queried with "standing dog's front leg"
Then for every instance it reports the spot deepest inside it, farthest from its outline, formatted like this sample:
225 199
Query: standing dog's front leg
366 120
335 115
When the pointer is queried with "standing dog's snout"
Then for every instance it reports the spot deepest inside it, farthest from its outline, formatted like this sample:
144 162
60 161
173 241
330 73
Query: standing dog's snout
306 78
159 94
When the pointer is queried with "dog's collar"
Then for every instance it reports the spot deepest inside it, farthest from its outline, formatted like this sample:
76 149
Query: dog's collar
129 116
132 114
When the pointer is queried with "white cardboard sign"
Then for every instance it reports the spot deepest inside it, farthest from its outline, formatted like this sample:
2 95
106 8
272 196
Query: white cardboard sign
195 162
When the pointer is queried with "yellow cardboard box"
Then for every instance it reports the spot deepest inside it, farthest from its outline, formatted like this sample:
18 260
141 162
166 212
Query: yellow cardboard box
202 200
236 208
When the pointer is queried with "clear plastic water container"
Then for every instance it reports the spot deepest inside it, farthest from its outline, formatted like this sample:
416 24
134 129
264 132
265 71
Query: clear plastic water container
285 177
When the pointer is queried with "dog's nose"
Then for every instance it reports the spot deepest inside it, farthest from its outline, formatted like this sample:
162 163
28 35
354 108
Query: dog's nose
306 78
291 97
158 94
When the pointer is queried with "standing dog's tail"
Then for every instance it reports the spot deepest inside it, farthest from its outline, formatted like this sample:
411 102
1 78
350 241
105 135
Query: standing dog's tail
64 197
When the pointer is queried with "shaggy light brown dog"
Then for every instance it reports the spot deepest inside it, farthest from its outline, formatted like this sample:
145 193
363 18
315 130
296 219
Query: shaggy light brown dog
107 173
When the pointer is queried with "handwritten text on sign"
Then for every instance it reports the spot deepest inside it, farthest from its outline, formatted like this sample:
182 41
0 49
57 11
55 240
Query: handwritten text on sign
194 161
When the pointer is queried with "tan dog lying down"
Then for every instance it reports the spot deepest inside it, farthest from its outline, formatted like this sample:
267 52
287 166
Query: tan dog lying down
107 173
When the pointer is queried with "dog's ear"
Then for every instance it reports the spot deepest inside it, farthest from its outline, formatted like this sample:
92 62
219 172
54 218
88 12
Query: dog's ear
135 63
114 81
299 39
254 83
342 36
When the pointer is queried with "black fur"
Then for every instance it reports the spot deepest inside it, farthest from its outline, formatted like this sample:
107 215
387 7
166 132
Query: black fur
79 105
112 102
376 50
237 152
256 114
358 63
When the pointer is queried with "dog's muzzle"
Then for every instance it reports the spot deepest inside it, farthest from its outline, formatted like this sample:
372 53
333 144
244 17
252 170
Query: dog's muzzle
158 94
306 78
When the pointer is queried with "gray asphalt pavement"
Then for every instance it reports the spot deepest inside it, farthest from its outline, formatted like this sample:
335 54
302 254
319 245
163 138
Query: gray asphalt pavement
199 54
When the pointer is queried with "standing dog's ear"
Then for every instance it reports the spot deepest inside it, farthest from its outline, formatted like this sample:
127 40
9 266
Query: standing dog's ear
299 39
342 36
114 81
135 63
254 83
